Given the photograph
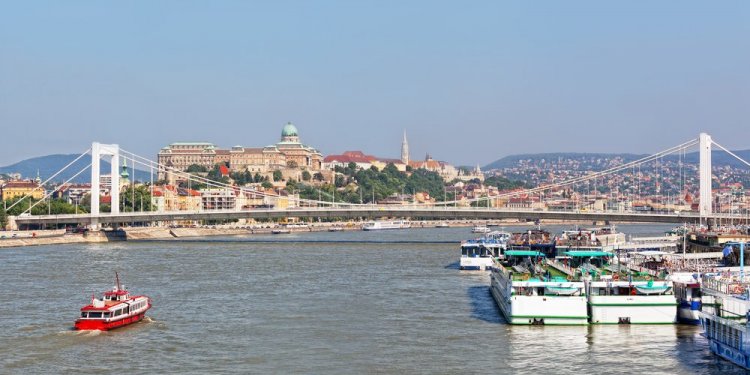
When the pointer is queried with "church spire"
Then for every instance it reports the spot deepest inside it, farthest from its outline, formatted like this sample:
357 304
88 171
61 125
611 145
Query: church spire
405 150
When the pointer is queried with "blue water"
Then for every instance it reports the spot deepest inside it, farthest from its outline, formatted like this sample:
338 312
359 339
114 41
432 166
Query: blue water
320 303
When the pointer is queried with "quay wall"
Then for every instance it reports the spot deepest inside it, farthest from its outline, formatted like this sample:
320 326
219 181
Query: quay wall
52 237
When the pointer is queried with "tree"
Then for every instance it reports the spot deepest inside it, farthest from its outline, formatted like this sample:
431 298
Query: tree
266 185
306 176
503 183
319 176
340 181
195 168
3 219
277 176
136 198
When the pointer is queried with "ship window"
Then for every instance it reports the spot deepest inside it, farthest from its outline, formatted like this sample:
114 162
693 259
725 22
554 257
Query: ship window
105 315
95 314
84 315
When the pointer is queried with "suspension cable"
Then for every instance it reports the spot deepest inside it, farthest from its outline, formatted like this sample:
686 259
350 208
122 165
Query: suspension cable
48 180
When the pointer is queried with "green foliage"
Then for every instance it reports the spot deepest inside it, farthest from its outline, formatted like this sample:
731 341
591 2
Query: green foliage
306 176
136 198
374 184
215 175
266 185
3 219
319 176
195 168
241 178
503 183
277 176
53 207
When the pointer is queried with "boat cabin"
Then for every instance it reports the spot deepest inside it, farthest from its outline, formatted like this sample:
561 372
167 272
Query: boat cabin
481 249
587 261
116 295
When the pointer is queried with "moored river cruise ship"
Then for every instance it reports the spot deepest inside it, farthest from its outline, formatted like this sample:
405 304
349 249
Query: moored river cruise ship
481 253
381 225
529 291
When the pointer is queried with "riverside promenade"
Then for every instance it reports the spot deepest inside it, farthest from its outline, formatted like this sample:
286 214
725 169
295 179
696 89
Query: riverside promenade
59 236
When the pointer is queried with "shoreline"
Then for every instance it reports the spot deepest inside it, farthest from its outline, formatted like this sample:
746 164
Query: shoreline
58 236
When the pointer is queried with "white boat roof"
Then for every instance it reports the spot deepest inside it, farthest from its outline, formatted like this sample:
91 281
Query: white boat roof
649 252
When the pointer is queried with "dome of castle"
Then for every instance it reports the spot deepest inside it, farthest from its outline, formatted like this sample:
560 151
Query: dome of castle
289 130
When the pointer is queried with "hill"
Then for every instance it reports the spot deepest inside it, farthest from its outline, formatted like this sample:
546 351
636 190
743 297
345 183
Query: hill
48 165
719 158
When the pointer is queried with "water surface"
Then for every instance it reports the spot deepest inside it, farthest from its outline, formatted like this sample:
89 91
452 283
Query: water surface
343 302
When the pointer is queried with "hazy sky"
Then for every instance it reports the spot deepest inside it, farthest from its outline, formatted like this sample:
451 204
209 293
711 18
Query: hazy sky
469 81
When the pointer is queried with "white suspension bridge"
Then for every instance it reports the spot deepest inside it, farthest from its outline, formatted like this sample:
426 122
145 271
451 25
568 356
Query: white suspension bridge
308 208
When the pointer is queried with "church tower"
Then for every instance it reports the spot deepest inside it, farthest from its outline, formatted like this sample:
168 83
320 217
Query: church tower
405 150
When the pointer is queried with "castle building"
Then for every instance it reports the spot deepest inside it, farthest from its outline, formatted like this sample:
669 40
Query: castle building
289 152
181 155
298 154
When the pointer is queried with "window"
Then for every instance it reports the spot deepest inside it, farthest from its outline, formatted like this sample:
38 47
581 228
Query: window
95 314
84 315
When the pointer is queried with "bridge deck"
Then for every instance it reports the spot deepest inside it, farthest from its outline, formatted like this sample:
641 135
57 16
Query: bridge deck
371 212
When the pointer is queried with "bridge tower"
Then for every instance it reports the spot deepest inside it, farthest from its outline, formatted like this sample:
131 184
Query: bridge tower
705 207
97 151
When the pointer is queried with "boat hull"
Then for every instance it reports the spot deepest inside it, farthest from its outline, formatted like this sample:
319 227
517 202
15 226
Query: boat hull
538 310
729 353
103 325
689 313
653 309
480 263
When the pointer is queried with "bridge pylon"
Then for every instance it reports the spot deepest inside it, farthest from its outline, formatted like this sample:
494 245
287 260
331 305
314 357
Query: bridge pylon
97 151
705 206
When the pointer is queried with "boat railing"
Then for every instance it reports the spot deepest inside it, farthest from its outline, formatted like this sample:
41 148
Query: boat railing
642 269
731 285
560 266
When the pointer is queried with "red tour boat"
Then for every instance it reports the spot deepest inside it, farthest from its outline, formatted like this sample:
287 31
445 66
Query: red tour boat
118 308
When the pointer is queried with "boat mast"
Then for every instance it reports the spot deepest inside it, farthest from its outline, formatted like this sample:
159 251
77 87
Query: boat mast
117 279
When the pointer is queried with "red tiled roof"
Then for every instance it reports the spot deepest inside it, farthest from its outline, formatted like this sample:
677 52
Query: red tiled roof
20 184
350 157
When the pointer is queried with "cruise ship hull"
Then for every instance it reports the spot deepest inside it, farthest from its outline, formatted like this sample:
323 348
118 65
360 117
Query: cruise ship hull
537 309
636 309
688 314
480 263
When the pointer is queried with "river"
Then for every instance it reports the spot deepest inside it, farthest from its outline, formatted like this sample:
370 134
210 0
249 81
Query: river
319 303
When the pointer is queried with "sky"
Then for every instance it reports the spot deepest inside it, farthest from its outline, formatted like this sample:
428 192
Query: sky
469 82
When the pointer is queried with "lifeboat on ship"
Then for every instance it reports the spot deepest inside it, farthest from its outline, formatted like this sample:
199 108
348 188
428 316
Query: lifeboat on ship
117 308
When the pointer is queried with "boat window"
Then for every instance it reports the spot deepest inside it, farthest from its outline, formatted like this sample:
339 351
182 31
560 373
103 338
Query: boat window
84 315
95 314
105 315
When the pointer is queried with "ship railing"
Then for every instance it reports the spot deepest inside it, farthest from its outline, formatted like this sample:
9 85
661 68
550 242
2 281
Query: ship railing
560 266
642 269
730 285
727 331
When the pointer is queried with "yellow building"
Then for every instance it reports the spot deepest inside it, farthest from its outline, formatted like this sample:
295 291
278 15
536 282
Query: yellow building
13 189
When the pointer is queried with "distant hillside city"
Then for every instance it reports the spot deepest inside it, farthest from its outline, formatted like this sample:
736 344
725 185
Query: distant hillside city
200 175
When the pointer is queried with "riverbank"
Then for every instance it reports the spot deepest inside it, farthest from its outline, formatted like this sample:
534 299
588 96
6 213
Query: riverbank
51 237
